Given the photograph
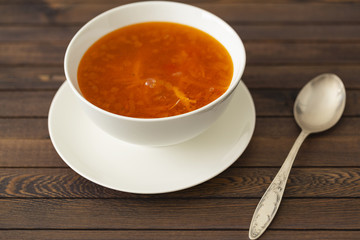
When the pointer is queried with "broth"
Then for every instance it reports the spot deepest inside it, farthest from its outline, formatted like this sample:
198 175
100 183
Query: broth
154 70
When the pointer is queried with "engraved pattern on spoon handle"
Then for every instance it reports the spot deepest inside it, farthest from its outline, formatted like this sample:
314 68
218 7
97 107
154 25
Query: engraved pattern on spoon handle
270 201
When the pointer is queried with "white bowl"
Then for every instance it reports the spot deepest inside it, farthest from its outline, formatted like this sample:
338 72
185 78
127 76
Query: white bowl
154 131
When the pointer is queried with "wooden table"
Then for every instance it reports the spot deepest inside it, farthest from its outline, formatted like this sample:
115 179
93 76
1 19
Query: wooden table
287 44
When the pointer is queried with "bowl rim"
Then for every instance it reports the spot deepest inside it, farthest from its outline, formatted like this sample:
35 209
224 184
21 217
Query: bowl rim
235 79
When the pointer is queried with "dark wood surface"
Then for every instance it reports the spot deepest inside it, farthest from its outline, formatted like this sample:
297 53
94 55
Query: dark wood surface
288 42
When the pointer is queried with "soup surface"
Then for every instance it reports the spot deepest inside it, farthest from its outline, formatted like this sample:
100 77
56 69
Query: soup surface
154 70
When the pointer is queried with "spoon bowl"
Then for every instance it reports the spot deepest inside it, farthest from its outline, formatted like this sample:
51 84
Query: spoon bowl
320 103
317 108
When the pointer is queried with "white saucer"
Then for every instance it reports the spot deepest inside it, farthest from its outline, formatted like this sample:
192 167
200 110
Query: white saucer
112 163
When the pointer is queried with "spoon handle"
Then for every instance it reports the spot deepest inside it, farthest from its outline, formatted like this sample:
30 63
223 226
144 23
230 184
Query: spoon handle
270 201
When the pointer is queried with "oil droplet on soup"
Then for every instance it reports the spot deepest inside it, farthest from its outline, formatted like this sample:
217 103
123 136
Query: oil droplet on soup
154 70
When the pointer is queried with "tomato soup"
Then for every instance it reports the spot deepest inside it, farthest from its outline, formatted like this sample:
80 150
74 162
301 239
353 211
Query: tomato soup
154 70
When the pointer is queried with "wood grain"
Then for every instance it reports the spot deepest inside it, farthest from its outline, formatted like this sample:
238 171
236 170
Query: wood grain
334 33
67 12
37 33
234 182
271 53
214 2
31 78
48 53
287 77
287 42
314 152
275 32
274 53
260 77
25 104
131 214
174 234
29 153
280 102
24 128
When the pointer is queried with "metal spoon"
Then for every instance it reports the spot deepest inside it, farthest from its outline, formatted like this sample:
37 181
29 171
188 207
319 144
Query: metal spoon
317 108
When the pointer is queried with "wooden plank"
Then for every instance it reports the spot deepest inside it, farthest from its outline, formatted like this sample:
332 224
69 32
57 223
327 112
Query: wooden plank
286 13
272 140
310 235
298 33
126 234
285 77
232 214
274 32
268 53
29 153
214 2
37 33
234 182
24 128
48 53
280 102
266 77
65 12
31 78
174 234
274 53
338 151
20 104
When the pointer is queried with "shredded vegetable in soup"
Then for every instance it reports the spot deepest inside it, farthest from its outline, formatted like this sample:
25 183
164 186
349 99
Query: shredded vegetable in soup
154 70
